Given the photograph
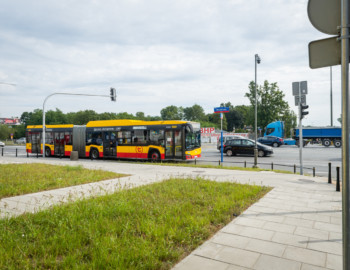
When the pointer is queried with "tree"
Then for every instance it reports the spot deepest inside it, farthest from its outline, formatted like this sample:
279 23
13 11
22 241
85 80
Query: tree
290 122
215 118
172 113
247 113
140 116
5 132
194 113
55 117
271 105
234 117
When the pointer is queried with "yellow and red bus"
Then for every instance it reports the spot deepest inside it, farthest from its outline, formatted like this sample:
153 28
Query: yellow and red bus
125 139
58 140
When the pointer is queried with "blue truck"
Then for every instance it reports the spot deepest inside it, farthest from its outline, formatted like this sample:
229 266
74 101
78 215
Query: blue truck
325 135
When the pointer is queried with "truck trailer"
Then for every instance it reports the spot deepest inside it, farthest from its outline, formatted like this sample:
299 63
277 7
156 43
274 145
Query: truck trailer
325 135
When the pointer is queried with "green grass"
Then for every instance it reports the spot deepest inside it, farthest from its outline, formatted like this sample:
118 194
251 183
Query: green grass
217 167
18 179
149 227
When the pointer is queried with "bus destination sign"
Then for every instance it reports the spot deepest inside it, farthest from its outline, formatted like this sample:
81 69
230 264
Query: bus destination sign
221 110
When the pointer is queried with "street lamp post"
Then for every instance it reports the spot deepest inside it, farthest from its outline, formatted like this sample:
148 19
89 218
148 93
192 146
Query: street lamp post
257 61
113 97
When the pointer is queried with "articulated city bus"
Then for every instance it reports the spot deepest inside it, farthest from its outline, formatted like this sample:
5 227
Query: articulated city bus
126 139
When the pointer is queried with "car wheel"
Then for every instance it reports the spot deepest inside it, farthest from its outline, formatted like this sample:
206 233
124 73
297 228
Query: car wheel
261 153
94 154
229 152
275 144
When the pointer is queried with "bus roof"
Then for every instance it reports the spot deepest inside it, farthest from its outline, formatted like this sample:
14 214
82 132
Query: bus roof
126 122
51 126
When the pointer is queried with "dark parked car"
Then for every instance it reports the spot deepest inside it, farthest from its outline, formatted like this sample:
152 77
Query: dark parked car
226 138
271 140
246 147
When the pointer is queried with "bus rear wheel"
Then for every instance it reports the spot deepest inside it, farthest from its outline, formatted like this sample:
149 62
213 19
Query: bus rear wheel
94 154
154 155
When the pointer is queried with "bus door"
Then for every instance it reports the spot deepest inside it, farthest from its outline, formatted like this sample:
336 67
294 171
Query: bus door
36 142
109 144
173 144
58 141
178 143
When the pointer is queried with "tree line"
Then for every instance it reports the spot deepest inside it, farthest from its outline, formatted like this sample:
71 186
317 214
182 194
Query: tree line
270 101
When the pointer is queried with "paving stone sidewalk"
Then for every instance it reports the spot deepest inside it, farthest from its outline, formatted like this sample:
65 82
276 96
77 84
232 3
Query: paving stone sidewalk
295 226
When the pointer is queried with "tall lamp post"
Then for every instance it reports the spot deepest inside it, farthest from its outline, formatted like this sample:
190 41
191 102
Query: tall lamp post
257 61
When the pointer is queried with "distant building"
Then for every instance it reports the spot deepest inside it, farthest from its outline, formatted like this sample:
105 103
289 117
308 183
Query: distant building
10 121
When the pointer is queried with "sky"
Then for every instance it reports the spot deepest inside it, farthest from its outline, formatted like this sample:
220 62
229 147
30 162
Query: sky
157 53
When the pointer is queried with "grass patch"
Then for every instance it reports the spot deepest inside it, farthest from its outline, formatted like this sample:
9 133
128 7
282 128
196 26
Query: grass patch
18 179
217 167
149 227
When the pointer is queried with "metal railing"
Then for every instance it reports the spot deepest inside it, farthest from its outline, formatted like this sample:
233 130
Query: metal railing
15 152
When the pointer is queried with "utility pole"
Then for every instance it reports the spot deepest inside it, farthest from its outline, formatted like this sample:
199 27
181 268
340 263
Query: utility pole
331 97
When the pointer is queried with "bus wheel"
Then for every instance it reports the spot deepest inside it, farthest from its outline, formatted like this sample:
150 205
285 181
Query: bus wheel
47 152
94 154
155 156
337 143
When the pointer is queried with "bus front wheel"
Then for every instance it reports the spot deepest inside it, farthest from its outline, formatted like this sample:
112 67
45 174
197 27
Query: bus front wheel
94 154
47 152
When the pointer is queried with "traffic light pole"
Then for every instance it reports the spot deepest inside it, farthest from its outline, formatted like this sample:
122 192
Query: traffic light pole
345 130
67 94
301 142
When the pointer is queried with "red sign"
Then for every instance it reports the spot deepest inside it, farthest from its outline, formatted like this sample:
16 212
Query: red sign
208 130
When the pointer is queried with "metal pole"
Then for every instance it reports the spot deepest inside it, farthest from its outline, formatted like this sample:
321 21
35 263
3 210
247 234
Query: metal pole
345 131
222 139
337 187
256 118
66 94
301 142
331 100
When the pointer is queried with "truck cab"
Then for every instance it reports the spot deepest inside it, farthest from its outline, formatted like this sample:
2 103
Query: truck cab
275 129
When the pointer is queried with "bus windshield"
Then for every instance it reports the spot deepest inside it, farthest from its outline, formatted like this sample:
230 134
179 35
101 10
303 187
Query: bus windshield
192 137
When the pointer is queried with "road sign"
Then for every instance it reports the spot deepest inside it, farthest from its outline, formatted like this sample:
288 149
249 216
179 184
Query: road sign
324 53
299 85
303 87
325 15
221 110
297 100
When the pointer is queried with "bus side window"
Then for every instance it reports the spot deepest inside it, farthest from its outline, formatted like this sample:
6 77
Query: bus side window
124 137
156 137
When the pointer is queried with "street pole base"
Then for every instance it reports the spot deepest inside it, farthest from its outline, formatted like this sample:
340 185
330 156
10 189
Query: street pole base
255 167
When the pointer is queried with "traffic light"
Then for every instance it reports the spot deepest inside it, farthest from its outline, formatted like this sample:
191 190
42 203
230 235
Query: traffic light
113 94
302 110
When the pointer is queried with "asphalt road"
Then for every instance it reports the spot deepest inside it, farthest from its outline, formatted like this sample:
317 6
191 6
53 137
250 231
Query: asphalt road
284 158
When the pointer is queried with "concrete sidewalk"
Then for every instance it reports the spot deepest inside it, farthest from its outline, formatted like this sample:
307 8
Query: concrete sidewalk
295 226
